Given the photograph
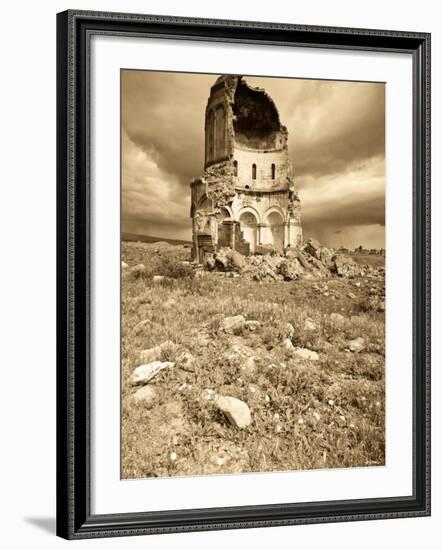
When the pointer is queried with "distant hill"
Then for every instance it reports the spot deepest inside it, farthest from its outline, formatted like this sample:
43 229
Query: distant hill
150 239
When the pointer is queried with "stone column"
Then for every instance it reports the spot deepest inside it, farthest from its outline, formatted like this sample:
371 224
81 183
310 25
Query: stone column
261 230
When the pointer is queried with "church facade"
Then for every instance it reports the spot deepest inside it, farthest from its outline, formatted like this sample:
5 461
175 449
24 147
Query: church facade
246 196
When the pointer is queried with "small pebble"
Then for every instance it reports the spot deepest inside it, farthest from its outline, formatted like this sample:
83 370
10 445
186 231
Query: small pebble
173 457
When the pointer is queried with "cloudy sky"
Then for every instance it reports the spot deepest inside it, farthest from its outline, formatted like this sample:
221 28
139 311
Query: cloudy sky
336 144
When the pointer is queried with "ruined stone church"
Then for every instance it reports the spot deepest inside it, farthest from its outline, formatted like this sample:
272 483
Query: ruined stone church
246 196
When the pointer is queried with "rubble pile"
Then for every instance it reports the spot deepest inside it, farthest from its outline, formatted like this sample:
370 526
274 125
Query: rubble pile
312 260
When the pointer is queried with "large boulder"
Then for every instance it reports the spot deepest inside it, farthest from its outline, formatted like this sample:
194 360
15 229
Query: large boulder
209 261
237 259
223 258
290 269
325 255
312 247
236 411
345 266
233 325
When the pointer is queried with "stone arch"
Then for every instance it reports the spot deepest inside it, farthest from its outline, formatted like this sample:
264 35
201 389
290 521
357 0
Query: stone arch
271 209
274 217
249 220
225 213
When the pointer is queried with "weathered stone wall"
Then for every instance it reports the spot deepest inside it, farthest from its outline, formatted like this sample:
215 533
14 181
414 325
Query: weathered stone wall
263 160
248 176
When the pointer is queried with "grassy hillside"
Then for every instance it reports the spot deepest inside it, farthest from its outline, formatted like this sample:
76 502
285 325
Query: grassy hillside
305 414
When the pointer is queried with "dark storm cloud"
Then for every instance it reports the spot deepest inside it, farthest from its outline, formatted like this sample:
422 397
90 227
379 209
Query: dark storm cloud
336 144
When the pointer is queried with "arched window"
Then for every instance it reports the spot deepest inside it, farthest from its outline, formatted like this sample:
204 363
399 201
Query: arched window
235 168
273 171
253 171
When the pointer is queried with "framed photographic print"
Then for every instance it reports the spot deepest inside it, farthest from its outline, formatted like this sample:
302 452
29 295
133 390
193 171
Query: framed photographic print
243 274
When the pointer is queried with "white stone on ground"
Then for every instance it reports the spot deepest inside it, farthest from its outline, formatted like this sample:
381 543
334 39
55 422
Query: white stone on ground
356 345
237 412
306 354
145 395
252 325
309 324
144 373
287 345
233 325
185 360
337 318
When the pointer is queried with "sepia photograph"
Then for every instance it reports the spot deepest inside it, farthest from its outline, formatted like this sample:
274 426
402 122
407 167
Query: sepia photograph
252 274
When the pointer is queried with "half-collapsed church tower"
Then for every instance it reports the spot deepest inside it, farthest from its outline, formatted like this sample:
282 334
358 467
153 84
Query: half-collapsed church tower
246 196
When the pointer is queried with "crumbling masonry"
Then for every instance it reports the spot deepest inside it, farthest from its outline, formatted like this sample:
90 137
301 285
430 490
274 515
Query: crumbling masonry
246 197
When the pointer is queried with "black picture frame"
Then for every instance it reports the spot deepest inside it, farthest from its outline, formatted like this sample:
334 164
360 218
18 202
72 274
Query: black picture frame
74 518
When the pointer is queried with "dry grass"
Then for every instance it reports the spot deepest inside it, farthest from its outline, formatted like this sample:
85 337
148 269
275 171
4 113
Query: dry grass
323 414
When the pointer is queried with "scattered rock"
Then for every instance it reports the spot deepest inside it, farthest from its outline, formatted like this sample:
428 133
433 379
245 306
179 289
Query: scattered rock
287 345
237 259
346 266
237 412
208 394
306 354
233 325
139 271
291 269
223 258
337 318
185 360
157 352
252 325
309 324
302 260
265 249
209 261
351 296
145 395
144 373
356 345
124 265
312 246
158 278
